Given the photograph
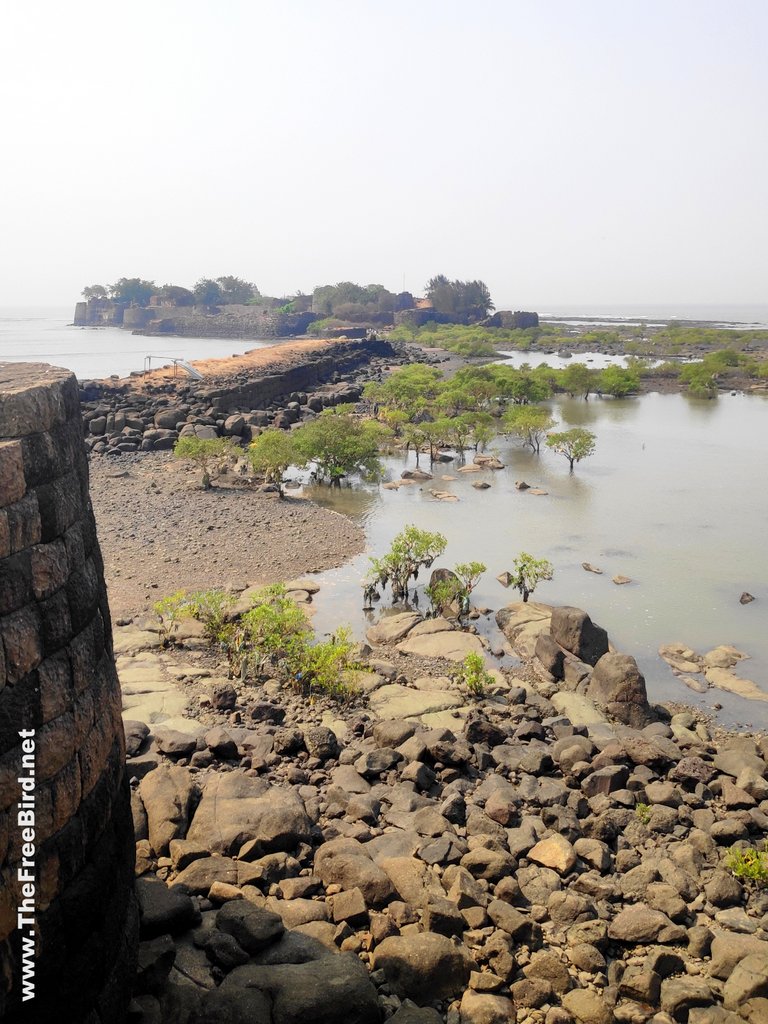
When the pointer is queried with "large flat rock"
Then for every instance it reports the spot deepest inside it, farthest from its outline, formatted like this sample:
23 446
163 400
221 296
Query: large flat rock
579 710
454 645
148 695
397 701
236 807
392 628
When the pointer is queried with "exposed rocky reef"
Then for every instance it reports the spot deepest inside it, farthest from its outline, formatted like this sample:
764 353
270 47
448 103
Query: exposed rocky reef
553 851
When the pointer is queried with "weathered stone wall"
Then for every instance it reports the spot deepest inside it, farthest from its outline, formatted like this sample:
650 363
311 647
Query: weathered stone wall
57 677
314 369
233 321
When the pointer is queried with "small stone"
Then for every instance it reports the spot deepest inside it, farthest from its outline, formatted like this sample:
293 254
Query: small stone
587 1007
555 852
349 906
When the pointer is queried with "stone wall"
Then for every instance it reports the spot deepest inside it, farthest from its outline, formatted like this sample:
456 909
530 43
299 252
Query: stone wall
231 321
57 677
313 369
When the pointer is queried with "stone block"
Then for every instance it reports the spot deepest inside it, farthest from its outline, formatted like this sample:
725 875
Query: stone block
24 527
10 766
83 593
21 638
60 505
86 649
75 546
42 459
93 753
50 568
55 746
13 485
5 534
575 631
54 676
19 709
55 622
15 582
34 397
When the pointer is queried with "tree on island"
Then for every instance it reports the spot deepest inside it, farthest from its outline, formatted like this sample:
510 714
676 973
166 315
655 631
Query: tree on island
462 300
224 291
175 293
618 381
95 291
236 290
132 291
350 301
575 444
207 292
526 573
412 550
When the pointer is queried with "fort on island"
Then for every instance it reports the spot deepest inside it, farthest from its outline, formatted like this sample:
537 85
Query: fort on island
231 308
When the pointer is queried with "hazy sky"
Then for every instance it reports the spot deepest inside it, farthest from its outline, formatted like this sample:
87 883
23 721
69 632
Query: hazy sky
565 151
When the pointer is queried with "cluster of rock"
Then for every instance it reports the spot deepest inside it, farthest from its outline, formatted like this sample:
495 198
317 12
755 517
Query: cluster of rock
301 382
500 859
123 423
714 668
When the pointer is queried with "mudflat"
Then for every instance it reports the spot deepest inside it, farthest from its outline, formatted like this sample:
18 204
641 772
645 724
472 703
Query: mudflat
160 532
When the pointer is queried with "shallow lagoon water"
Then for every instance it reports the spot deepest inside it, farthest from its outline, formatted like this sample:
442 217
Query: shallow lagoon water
674 497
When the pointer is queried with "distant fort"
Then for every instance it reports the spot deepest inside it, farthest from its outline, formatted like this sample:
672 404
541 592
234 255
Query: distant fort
163 317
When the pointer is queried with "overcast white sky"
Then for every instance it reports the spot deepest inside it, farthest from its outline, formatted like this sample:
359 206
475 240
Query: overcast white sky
565 151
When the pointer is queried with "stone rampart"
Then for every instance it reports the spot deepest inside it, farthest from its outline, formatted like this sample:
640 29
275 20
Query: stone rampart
314 369
58 683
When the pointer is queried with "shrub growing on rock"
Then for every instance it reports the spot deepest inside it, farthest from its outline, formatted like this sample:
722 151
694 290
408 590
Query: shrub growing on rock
473 674
749 864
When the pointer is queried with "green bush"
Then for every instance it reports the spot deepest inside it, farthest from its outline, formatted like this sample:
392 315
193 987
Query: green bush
339 445
643 813
171 610
443 593
473 674
575 444
271 453
749 864
272 638
211 607
275 628
325 663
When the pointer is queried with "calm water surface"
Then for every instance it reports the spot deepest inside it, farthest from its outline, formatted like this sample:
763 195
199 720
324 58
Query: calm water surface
40 335
674 497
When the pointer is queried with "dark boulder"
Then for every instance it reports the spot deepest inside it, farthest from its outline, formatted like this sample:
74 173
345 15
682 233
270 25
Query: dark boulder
618 685
573 629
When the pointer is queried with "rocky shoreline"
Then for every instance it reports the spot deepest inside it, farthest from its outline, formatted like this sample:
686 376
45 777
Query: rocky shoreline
277 386
554 851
